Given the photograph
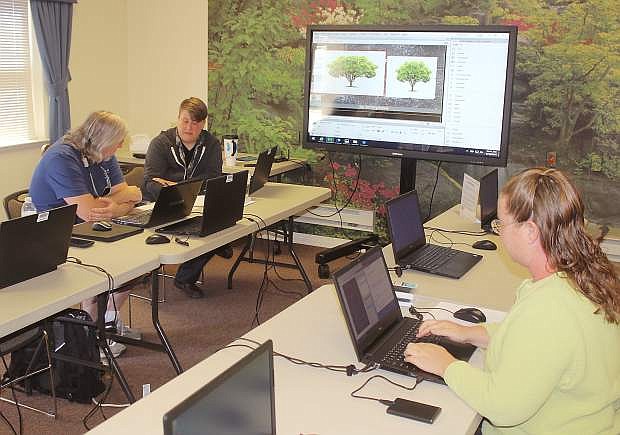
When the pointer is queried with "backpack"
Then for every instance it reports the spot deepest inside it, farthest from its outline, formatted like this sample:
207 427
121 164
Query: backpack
75 382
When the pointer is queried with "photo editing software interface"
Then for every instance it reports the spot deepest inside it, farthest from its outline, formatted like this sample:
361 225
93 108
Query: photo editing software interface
426 91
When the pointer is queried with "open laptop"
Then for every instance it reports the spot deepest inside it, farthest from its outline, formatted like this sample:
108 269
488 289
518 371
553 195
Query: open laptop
223 207
262 170
240 401
36 244
173 203
377 327
488 200
409 242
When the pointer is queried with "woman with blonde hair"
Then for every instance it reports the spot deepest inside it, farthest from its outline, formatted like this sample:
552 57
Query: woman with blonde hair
552 365
80 168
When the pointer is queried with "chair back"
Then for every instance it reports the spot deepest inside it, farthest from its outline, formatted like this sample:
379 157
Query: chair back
13 203
135 177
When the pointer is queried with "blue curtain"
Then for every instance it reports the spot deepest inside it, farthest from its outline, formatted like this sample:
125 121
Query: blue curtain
52 24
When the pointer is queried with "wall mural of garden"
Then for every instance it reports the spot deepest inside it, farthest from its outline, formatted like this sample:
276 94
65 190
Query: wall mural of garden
566 90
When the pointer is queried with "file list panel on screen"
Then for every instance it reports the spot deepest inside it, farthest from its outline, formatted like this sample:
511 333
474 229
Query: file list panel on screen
426 92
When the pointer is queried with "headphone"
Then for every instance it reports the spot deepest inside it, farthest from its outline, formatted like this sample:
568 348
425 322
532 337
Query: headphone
398 270
88 142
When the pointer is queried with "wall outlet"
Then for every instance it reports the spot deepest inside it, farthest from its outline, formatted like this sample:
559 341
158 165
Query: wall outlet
551 159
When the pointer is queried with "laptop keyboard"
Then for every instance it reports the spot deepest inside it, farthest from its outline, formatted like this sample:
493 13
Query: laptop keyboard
431 257
395 357
189 226
140 218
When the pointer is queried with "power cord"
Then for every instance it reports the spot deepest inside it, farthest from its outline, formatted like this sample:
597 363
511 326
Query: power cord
386 402
19 412
463 232
430 204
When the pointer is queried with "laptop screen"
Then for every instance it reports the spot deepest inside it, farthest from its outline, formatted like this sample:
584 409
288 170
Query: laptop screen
405 224
262 170
367 298
488 198
240 401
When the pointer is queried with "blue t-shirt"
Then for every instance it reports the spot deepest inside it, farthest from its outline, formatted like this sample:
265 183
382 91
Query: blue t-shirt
61 174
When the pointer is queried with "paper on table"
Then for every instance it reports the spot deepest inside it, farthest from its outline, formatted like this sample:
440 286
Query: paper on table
469 197
493 316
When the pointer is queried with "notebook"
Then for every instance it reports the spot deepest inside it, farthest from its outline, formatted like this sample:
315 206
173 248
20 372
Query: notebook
173 203
223 207
240 401
488 200
378 330
409 242
262 170
36 244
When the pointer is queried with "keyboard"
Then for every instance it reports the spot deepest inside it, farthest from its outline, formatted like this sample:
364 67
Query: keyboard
138 219
395 356
431 257
189 226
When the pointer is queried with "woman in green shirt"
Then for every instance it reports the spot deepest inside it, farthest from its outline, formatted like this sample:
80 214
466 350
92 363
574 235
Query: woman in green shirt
552 366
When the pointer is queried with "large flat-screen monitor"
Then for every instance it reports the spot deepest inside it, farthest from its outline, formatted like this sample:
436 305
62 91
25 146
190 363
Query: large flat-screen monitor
420 92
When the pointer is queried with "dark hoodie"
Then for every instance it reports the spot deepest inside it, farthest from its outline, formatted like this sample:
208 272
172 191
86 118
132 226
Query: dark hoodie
165 159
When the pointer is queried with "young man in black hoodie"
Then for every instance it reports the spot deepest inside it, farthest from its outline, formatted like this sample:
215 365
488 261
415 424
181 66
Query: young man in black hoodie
180 153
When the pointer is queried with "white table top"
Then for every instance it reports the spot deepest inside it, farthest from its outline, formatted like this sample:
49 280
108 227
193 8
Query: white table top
491 283
309 400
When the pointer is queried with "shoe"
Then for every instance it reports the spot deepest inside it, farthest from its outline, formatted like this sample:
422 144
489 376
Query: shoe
190 289
128 332
116 348
225 251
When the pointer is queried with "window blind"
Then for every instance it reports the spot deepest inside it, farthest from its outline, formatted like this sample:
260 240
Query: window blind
16 111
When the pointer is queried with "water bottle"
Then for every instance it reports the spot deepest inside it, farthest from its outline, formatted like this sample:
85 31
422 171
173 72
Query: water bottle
28 207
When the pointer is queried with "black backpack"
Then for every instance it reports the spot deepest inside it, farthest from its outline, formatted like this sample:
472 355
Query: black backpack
75 382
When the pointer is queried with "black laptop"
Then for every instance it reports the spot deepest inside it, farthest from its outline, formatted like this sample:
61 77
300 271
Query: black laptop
223 207
377 327
36 244
409 242
262 170
240 401
488 200
173 203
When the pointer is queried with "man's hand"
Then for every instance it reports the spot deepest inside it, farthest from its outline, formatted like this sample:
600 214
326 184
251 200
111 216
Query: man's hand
164 182
106 210
428 357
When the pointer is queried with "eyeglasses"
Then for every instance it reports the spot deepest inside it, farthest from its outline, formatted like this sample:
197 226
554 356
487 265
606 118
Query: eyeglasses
108 183
497 225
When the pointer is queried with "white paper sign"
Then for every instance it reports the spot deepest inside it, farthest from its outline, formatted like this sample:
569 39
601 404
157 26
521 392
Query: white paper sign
469 197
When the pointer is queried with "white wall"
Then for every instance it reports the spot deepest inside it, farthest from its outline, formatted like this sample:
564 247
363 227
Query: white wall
167 47
138 58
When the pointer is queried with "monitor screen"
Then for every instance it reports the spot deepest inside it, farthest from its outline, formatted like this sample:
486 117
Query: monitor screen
425 92
240 401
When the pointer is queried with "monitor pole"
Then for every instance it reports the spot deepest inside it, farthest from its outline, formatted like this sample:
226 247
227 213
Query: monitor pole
407 174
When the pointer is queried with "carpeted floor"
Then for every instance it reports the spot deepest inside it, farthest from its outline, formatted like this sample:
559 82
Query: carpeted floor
195 328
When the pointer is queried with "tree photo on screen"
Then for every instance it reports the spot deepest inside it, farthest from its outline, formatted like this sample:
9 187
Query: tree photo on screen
413 72
352 67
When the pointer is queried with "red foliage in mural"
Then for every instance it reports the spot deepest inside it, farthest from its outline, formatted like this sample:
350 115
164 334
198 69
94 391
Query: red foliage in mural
310 13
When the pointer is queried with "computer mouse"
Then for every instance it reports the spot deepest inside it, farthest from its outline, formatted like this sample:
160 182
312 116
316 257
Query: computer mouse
156 239
487 245
102 226
473 315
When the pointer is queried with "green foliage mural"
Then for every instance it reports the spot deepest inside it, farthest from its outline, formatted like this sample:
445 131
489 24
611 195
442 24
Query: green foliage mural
351 68
413 72
566 89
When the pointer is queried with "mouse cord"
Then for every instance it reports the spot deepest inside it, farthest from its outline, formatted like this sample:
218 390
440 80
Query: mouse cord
387 402
463 232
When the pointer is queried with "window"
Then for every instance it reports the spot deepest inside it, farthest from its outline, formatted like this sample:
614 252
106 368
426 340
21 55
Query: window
17 123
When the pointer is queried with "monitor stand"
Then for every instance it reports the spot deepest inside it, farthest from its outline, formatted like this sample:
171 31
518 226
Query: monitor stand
407 174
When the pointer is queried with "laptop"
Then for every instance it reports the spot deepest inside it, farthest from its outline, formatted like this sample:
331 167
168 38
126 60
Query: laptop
36 244
378 330
240 401
262 170
488 200
223 207
409 242
173 203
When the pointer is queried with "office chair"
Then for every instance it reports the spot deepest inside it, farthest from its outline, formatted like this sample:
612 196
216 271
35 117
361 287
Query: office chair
135 177
13 203
19 340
